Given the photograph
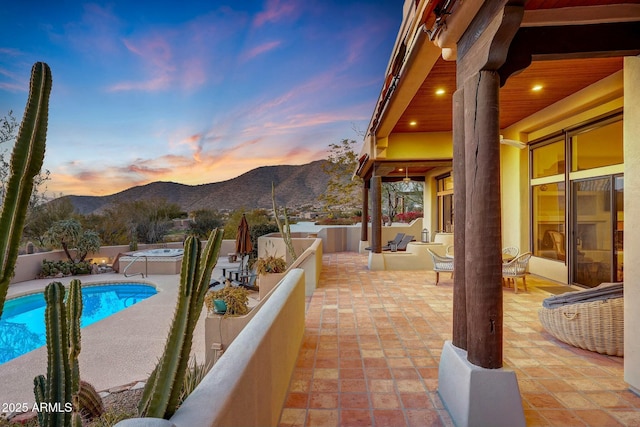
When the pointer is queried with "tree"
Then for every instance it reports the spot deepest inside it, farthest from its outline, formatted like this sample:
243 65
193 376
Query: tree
113 225
41 217
204 221
400 197
343 192
69 235
254 218
148 220
8 134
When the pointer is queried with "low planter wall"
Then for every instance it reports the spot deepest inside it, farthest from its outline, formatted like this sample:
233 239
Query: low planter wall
248 385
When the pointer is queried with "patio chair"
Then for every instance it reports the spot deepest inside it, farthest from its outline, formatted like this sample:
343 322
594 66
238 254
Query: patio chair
396 240
516 268
449 251
402 246
234 274
509 253
441 264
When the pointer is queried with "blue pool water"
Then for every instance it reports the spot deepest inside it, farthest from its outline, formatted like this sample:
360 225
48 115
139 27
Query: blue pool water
22 327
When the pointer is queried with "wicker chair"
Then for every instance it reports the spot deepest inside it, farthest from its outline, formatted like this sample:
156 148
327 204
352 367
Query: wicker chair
441 264
516 268
510 253
449 251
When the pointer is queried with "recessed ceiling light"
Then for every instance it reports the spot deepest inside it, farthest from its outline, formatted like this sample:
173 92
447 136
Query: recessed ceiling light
440 91
536 88
413 123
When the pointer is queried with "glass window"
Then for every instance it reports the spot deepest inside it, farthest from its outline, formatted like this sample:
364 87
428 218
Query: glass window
597 147
445 203
549 221
548 159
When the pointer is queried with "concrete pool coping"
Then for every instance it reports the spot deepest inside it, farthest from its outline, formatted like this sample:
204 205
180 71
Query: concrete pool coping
120 349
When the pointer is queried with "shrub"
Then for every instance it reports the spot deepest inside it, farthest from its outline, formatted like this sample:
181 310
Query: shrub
408 216
63 268
236 298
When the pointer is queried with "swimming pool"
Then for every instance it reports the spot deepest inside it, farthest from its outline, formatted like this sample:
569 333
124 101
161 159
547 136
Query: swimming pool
22 326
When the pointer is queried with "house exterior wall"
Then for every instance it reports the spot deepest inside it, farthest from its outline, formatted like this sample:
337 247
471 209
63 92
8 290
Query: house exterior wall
435 146
632 221
601 98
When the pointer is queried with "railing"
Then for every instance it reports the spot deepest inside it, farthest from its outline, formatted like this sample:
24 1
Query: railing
146 267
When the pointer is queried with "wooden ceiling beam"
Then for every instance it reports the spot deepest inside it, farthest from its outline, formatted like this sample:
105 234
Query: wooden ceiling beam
565 42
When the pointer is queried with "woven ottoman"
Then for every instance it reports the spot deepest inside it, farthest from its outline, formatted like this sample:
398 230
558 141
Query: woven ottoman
592 319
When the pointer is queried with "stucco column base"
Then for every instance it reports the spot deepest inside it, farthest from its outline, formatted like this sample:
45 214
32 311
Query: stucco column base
362 246
145 422
476 396
376 262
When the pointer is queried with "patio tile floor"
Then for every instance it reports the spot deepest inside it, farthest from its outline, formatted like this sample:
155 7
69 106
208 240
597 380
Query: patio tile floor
372 345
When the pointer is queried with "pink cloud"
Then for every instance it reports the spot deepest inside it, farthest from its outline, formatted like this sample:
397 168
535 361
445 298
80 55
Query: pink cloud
275 11
158 83
258 50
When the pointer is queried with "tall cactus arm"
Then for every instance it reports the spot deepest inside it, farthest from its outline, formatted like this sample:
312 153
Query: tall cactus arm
39 389
74 311
155 402
58 372
162 392
26 162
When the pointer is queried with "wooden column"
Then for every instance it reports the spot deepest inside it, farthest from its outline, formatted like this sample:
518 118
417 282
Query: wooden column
459 202
364 230
483 240
482 50
376 214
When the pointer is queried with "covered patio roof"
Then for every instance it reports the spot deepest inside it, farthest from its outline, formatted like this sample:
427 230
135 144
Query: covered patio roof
561 47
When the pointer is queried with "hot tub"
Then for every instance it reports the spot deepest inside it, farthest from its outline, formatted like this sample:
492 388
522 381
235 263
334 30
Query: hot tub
152 261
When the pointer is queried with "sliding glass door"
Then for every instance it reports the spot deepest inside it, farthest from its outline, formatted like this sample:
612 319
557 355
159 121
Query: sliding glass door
597 227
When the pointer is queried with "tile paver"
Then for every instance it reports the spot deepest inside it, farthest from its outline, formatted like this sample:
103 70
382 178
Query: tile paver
373 341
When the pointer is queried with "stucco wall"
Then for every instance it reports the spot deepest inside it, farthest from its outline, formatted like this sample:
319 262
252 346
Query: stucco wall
632 221
241 389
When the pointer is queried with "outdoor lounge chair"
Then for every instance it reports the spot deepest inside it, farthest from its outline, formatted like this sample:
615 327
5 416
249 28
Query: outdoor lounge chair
396 240
441 264
402 246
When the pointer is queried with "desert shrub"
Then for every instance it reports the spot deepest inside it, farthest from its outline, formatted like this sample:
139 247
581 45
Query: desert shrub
64 268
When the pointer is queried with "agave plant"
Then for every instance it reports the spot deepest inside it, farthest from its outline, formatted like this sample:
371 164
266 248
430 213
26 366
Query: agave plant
26 162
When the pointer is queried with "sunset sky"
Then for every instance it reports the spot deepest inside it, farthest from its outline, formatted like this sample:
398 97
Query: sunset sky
194 92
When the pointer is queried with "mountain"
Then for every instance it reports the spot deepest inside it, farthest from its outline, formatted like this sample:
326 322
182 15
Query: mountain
295 186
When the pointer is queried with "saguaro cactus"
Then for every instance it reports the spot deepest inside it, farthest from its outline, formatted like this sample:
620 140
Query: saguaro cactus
26 162
61 392
162 392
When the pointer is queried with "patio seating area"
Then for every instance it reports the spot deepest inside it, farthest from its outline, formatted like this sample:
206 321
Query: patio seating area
372 345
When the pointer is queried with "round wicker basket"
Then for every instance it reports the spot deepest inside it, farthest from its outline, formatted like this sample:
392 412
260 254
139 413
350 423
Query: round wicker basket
596 326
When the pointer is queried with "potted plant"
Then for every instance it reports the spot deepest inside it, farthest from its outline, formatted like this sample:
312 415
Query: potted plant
270 264
230 301
270 270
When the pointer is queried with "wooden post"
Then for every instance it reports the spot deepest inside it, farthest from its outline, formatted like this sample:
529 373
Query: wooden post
364 230
459 202
483 269
376 214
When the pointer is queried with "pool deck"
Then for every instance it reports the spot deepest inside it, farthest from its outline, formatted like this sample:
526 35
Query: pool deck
120 349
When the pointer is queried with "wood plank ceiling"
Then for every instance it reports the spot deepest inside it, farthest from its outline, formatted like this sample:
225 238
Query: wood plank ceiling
431 108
